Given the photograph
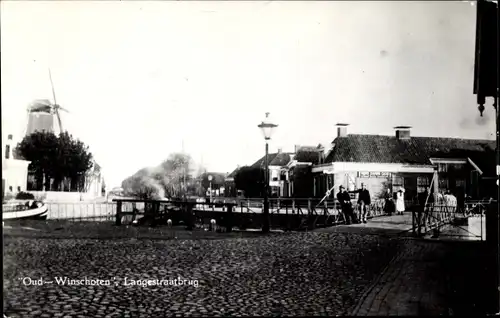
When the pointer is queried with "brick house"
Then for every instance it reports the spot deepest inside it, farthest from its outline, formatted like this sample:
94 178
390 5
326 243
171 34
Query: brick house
277 182
285 169
401 160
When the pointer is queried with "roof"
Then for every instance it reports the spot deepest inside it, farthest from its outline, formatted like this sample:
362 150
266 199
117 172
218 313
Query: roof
416 150
275 159
232 174
217 177
309 155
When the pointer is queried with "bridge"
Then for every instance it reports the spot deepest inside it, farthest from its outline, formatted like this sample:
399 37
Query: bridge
436 221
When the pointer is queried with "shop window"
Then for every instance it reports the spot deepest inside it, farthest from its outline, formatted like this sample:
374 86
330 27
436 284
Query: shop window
460 183
422 183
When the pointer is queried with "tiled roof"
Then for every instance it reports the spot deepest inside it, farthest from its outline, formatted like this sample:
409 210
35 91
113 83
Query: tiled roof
275 159
389 149
312 156
232 174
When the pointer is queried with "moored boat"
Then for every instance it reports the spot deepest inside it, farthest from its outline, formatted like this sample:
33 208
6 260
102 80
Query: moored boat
24 210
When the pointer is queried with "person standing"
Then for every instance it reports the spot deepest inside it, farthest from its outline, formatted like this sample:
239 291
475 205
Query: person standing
364 200
400 201
389 203
345 204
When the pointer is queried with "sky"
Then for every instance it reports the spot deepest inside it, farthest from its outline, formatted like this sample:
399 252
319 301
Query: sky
143 79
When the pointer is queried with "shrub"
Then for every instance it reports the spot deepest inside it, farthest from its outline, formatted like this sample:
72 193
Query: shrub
25 196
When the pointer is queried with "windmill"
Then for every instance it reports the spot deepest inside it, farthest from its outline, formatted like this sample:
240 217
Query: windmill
42 114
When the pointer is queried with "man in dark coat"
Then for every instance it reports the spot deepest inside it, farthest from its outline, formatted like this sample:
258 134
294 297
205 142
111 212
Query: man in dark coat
345 204
364 200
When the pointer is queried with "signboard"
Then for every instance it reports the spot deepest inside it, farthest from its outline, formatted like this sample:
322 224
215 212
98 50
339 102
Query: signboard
274 183
374 174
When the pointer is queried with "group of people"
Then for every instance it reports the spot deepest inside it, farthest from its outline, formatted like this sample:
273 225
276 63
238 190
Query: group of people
364 200
392 205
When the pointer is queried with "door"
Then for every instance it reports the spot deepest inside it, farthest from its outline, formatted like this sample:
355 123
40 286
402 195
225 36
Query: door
374 185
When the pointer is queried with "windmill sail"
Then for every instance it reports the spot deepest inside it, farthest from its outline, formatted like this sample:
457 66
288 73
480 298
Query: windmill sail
56 111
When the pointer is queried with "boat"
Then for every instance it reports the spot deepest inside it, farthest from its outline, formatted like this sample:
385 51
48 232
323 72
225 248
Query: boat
24 210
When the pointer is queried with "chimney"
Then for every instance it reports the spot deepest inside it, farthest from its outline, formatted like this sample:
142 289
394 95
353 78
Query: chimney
280 150
403 132
342 130
8 148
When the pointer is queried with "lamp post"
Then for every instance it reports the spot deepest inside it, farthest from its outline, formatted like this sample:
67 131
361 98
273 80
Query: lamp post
210 180
267 129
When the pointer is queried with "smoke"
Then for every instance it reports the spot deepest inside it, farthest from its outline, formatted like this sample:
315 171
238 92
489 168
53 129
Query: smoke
170 178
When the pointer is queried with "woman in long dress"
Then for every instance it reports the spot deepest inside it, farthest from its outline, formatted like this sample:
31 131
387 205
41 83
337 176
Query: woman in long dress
400 201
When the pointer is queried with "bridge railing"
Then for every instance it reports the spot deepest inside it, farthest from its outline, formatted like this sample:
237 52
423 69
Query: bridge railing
242 209
467 221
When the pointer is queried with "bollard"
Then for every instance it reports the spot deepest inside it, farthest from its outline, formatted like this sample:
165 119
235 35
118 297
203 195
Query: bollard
169 223
213 225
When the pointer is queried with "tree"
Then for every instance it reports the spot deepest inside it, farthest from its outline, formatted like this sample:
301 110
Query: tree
175 176
55 158
251 180
41 148
142 186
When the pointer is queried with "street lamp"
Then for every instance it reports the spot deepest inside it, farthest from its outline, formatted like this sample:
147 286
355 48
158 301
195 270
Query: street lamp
210 180
267 129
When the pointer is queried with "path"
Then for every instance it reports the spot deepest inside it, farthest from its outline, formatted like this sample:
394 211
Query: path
417 280
412 284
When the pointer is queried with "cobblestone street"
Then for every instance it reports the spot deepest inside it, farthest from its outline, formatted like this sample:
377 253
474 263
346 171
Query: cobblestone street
286 274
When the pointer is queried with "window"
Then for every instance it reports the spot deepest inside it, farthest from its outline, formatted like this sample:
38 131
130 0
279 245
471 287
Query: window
442 167
443 184
422 183
398 181
460 183
7 152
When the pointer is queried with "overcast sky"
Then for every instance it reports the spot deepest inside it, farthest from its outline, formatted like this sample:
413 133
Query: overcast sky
139 78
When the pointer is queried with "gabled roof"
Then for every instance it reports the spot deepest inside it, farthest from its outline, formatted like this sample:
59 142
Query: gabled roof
232 174
308 155
275 159
416 150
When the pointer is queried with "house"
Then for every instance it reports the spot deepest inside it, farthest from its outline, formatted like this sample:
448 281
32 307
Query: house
288 171
14 170
277 182
401 160
217 182
229 184
297 174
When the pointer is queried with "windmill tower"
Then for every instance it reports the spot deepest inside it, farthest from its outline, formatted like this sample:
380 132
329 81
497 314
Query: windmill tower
44 114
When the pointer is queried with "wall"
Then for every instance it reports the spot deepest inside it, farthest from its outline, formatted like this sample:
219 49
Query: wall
15 174
57 196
